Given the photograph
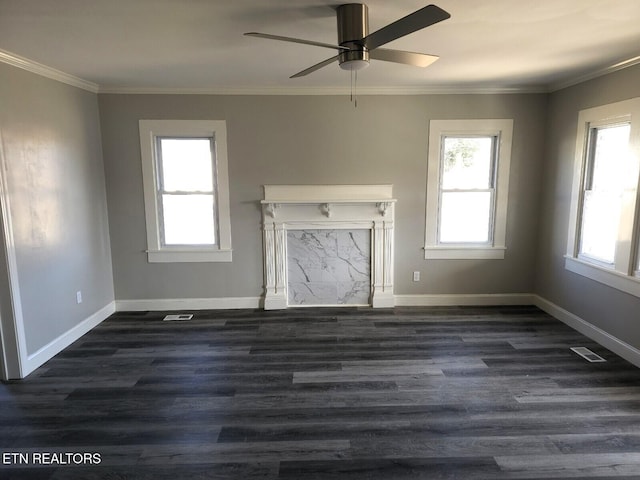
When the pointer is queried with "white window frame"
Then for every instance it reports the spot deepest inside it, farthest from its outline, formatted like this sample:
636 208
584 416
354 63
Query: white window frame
502 130
624 274
150 131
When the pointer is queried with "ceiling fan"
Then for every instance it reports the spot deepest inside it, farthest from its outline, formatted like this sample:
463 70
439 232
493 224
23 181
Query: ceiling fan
356 46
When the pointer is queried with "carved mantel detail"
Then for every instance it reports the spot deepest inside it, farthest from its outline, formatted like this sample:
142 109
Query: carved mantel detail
383 207
326 209
300 207
270 209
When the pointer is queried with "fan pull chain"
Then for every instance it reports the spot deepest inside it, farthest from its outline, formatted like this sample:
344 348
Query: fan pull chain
355 102
354 88
351 96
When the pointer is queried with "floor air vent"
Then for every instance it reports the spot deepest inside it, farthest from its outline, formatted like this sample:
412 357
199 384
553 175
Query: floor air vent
588 355
182 316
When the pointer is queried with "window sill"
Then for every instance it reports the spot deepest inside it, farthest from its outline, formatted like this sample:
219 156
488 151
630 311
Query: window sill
617 280
188 255
464 253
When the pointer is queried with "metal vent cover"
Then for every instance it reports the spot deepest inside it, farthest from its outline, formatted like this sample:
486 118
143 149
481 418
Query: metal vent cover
178 317
588 355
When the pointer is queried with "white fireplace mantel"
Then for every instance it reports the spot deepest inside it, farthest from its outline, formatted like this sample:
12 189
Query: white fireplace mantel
300 207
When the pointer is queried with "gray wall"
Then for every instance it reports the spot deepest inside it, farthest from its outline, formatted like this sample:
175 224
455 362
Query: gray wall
50 134
609 309
316 140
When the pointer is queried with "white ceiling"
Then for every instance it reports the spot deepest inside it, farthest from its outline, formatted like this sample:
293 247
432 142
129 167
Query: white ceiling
183 45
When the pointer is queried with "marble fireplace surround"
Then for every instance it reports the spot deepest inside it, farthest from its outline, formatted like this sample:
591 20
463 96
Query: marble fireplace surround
317 207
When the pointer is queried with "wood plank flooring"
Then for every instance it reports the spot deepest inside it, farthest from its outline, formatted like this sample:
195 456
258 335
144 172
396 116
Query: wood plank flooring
409 393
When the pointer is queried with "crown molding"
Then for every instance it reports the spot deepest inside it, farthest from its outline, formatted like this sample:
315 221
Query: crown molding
554 87
414 90
45 71
54 74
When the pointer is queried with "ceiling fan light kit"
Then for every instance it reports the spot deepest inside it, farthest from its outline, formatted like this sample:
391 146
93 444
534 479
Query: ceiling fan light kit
356 46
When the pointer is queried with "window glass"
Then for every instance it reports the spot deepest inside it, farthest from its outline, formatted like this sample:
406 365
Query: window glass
465 217
467 162
186 164
188 219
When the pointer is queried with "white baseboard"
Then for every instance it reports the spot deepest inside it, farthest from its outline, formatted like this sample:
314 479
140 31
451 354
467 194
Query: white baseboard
54 347
464 299
626 351
162 304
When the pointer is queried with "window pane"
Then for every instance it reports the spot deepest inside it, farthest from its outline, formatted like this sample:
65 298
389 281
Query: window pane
600 222
467 162
465 217
188 220
186 164
610 160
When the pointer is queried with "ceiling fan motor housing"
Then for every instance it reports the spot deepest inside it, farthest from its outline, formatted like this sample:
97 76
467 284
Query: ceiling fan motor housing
353 26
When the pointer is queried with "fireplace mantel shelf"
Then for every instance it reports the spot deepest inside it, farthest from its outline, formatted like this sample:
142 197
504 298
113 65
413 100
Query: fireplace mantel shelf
382 204
307 201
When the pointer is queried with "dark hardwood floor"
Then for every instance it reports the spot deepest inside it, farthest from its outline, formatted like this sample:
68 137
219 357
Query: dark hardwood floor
409 393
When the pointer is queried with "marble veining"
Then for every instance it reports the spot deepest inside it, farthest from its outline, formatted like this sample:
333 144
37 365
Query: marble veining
329 267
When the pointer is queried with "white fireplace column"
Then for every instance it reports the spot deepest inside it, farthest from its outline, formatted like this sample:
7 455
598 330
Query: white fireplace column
382 268
275 266
317 207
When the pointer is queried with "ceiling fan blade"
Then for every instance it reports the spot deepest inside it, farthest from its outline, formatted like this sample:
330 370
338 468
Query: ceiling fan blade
414 21
315 67
294 40
400 56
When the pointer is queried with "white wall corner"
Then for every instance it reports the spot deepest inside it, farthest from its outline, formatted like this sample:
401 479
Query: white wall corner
619 347
54 347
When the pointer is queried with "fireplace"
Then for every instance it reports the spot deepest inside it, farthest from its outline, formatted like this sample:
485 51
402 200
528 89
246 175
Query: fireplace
328 245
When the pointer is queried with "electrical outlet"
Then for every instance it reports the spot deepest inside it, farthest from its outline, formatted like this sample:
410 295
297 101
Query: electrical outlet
416 276
79 297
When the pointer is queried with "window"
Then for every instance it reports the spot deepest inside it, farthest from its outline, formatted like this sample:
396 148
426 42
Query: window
603 226
603 191
184 166
467 188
